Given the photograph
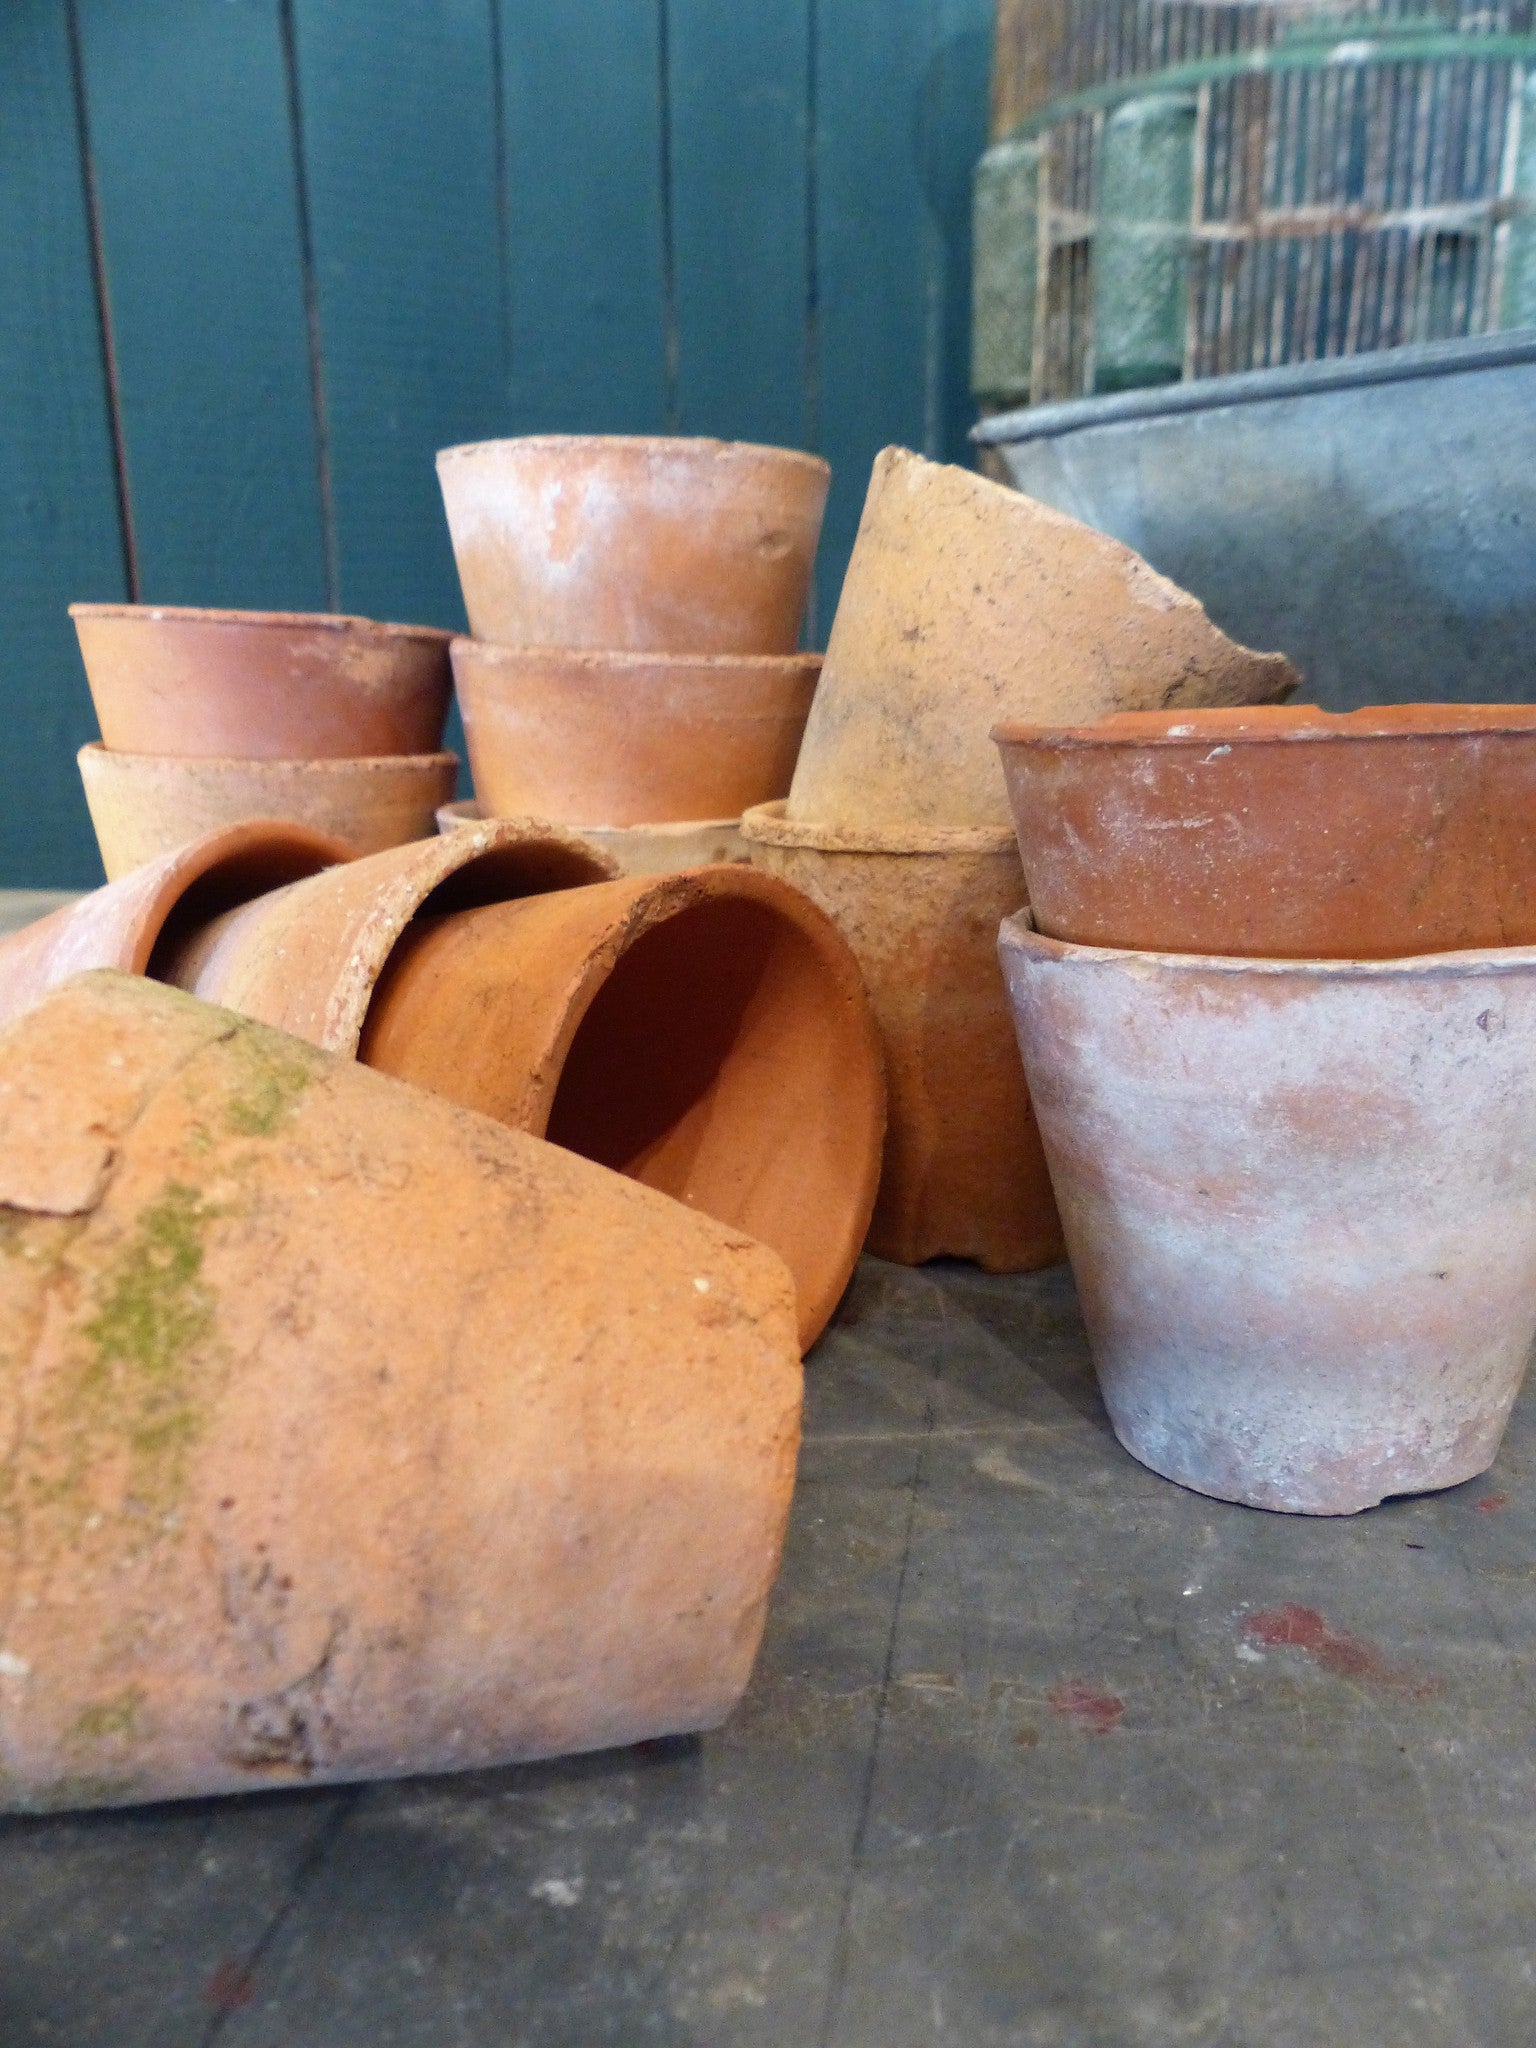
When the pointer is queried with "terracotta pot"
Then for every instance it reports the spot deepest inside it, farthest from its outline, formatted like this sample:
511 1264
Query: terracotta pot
965 603
268 686
662 546
143 805
1300 1203
306 958
963 1172
707 1034
638 849
1289 832
133 923
333 1450
592 738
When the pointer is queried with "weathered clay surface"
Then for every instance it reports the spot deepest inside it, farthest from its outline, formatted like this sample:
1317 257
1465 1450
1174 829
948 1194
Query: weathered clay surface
707 1034
1283 832
331 1451
306 958
590 737
963 1173
144 805
1300 1203
292 686
123 924
665 545
965 603
638 849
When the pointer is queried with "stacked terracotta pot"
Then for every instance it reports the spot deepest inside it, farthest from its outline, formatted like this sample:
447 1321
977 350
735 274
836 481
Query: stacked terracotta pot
964 602
635 606
1275 1000
209 718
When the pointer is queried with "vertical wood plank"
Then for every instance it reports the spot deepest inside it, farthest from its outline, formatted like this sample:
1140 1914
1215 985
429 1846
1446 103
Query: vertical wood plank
188 109
60 533
900 118
398 115
585 216
739 80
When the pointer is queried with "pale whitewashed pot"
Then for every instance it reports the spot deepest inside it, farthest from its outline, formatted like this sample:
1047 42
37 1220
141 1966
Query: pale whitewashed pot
1299 1198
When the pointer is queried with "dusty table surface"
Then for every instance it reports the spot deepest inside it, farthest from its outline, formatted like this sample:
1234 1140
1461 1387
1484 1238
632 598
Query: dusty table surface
1041 1749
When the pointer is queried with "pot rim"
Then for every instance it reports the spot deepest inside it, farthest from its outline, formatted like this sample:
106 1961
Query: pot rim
1018 934
467 811
197 764
766 825
1512 720
675 444
600 660
214 615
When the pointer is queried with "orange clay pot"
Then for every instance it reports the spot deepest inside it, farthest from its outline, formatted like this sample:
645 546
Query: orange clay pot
143 805
1288 833
349 1434
157 905
638 849
964 1173
707 1034
588 737
306 958
269 686
965 603
657 545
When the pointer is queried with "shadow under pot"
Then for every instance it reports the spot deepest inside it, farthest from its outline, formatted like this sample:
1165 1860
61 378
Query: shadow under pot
706 1034
1284 832
291 686
361 1436
647 542
588 737
1300 1204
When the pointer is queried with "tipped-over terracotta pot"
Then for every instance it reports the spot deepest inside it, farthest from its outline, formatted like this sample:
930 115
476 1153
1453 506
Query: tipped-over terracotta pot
637 849
143 805
1300 1203
268 686
658 545
1288 832
965 603
587 737
134 922
306 958
349 1434
963 1171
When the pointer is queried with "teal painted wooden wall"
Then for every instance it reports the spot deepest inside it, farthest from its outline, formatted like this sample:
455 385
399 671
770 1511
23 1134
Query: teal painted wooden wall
260 258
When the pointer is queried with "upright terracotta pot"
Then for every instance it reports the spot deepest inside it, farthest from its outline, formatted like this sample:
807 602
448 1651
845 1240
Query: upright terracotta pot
306 958
134 922
964 604
349 1434
589 737
637 849
654 544
1288 832
144 805
963 1172
291 686
1300 1203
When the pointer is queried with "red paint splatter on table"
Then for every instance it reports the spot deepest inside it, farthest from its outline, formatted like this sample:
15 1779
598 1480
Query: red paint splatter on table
230 1987
1333 1650
1094 1711
1491 1503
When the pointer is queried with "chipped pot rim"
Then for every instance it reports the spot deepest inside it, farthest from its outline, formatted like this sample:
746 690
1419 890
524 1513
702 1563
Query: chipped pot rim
465 811
1018 934
767 825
